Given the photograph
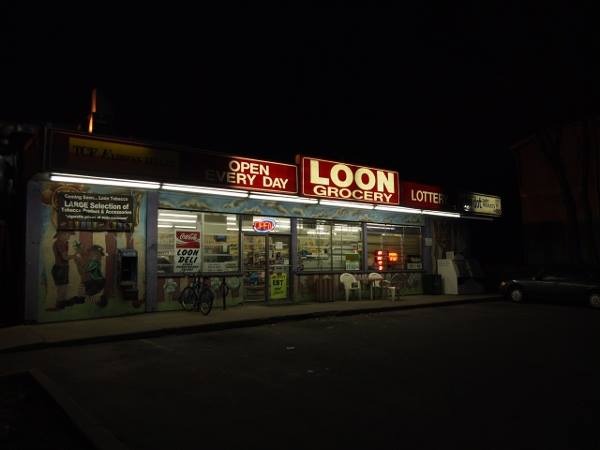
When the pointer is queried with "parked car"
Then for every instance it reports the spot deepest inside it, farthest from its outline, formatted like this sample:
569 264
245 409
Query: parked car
568 284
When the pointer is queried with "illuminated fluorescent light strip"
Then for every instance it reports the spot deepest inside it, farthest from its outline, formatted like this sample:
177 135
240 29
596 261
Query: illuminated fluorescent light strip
84 179
346 204
176 220
180 216
398 209
185 226
284 198
204 190
165 225
441 213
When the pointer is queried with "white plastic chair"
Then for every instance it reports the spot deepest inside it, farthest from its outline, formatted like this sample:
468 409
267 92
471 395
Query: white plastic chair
350 284
376 280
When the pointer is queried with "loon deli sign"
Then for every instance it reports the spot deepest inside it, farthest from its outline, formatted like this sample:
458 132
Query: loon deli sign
341 181
187 251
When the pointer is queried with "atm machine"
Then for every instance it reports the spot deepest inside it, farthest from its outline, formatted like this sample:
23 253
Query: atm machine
127 267
460 275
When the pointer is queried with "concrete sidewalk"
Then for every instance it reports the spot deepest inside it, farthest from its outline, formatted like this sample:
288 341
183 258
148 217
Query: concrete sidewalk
37 336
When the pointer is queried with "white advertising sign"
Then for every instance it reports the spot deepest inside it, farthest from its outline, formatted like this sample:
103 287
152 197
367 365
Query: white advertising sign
483 204
187 251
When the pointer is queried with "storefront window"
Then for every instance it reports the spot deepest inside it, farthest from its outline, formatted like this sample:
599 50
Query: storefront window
314 245
325 246
393 248
191 241
412 248
220 243
346 246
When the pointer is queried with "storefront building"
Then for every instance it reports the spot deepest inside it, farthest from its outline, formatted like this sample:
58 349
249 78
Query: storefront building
117 227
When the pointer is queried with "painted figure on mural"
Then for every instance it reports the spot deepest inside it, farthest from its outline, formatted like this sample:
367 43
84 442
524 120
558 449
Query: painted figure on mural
60 268
89 266
95 281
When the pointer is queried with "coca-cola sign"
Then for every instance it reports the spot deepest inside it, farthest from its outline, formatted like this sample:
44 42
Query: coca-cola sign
187 251
187 239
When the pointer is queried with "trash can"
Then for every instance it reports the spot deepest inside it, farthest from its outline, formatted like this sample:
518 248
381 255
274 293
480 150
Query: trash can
432 284
324 289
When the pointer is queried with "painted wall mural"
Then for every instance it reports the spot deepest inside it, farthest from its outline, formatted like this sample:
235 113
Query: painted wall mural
78 267
201 202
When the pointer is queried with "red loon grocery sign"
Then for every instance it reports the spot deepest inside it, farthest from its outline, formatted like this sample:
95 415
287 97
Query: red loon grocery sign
341 181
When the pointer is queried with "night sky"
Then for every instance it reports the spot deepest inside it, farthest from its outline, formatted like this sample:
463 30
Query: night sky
437 93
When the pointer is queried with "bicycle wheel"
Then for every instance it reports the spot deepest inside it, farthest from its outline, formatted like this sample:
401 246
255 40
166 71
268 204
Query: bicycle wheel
206 301
188 298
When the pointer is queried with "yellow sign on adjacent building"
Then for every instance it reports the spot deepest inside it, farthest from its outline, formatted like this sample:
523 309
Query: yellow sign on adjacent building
483 204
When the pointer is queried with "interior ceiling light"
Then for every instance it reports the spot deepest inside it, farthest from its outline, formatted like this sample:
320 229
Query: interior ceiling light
170 219
284 198
346 204
120 182
205 190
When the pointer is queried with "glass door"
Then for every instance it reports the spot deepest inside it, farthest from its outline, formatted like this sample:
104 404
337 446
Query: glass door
254 266
278 267
266 267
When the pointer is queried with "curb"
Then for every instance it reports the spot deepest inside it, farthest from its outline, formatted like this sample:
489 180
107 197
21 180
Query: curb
245 323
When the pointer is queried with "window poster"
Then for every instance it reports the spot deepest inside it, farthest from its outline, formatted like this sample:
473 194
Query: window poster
187 251
278 286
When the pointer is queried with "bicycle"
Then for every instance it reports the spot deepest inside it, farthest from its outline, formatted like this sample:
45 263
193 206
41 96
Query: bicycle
198 296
